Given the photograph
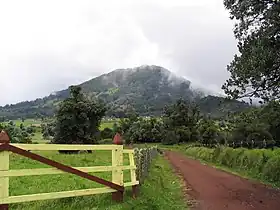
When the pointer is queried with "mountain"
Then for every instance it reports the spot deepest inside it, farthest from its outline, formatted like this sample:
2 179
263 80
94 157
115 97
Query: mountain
145 89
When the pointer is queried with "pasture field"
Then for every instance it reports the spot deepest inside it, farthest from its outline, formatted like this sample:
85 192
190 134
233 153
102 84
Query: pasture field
38 138
28 122
38 122
106 124
161 190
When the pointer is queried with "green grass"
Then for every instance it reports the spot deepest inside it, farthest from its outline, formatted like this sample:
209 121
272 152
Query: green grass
106 125
161 190
38 138
27 122
38 135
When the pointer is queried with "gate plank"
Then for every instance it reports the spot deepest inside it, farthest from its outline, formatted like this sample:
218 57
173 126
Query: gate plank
59 166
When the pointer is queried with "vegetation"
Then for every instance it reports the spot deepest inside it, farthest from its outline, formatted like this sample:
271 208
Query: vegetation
143 158
161 190
178 124
255 71
145 90
18 134
257 163
182 122
78 119
226 132
48 130
257 127
140 130
107 133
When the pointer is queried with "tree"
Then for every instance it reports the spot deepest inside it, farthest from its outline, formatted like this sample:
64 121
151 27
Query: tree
255 72
270 114
78 119
48 130
182 118
181 113
144 131
125 123
209 133
2 119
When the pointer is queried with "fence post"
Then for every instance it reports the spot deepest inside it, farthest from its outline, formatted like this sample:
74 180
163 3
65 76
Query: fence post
117 174
133 175
4 166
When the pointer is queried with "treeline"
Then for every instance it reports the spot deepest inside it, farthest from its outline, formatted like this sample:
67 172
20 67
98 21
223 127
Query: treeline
183 123
78 119
256 127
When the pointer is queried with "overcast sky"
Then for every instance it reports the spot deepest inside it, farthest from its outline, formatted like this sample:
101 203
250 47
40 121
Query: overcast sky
46 46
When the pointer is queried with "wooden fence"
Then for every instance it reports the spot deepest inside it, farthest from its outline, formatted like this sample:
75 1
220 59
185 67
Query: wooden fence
116 186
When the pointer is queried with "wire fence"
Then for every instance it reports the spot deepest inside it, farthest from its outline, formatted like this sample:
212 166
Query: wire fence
143 160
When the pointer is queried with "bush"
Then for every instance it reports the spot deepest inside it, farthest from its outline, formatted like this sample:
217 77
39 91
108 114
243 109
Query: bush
107 133
271 170
226 156
16 134
260 163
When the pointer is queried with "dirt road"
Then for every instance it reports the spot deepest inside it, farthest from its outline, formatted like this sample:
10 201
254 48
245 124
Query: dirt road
214 189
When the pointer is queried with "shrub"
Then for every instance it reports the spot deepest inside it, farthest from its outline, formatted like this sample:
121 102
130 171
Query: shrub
226 156
271 170
261 163
107 133
253 160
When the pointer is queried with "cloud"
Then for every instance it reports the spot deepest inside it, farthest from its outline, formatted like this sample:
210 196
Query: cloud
48 45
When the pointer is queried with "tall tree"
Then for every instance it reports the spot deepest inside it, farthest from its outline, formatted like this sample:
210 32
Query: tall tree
255 71
181 118
181 113
78 119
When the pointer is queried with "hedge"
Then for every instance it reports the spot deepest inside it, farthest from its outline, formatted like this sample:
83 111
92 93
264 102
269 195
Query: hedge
260 163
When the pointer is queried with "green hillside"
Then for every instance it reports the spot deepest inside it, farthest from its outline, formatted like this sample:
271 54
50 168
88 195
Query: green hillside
145 89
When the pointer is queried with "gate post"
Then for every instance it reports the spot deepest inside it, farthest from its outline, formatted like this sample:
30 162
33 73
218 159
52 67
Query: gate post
4 166
133 175
117 173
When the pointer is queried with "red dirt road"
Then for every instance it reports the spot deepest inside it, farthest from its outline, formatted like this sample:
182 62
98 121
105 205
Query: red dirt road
214 189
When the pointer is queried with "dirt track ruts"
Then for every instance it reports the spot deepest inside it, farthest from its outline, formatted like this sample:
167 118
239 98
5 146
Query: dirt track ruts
214 189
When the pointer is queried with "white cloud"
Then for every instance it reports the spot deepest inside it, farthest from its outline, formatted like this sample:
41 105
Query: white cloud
47 45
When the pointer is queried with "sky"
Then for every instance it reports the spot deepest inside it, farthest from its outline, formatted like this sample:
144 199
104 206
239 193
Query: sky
45 46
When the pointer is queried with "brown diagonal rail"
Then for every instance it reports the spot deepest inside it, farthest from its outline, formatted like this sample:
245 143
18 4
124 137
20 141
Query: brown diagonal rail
60 166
